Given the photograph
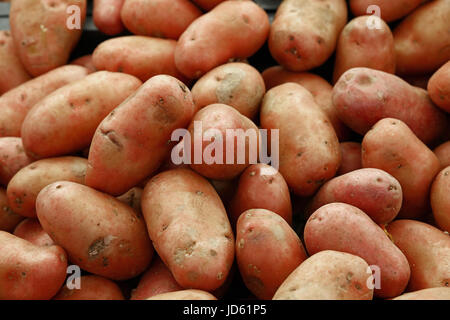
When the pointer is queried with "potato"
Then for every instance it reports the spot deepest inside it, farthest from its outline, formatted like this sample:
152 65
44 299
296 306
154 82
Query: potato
426 294
427 250
100 234
422 40
348 229
12 158
31 230
159 18
261 186
439 87
85 61
197 245
440 199
106 16
22 272
360 46
389 10
45 32
8 218
190 294
132 141
13 73
443 153
132 198
267 251
92 288
309 151
327 275
304 33
364 96
16 103
238 85
374 191
392 146
319 88
24 187
233 29
351 157
80 107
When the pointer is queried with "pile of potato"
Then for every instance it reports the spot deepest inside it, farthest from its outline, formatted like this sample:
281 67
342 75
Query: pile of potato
357 207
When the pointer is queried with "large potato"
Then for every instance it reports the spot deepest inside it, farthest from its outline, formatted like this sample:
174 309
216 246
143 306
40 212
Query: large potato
31 230
439 87
8 218
106 14
12 158
426 294
440 199
389 10
92 288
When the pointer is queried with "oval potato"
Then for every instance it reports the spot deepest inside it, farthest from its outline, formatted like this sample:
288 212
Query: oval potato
440 199
31 230
92 288
8 218
12 158
439 87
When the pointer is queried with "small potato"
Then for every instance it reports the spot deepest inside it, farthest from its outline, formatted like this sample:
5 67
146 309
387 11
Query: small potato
207 4
351 157
426 294
29 272
304 33
327 275
100 234
439 87
189 228
427 250
443 153
190 294
267 251
238 85
440 199
348 229
80 107
92 288
233 29
24 187
374 191
8 218
391 146
85 61
31 230
261 186
12 158
389 10
132 198
106 16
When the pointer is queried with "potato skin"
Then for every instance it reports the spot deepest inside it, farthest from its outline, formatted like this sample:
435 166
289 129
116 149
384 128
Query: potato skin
309 148
16 103
327 275
106 16
303 34
363 96
100 234
8 218
12 158
85 61
197 247
22 272
427 250
348 229
267 251
426 294
92 288
351 157
439 87
31 230
233 29
24 187
443 153
190 294
392 146
80 109
440 200
131 142
41 35
390 10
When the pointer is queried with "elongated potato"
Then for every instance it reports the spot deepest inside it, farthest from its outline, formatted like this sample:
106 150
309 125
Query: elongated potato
364 96
79 108
24 187
100 234
29 272
392 146
389 10
189 228
8 218
440 199
351 157
426 294
304 33
31 230
267 251
443 153
92 288
132 141
348 229
106 16
233 29
427 250
45 32
16 103
12 158
327 275
190 294
439 87
309 148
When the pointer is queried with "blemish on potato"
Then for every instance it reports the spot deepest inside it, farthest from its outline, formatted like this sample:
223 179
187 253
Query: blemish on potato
241 244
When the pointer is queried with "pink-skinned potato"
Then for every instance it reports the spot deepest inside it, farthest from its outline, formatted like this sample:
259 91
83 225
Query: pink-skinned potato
106 14
440 199
31 230
8 218
351 157
12 158
439 87
443 153
389 10
92 288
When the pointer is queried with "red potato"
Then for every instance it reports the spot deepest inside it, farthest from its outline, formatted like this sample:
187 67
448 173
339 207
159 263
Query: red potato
439 87
207 4
348 229
85 61
106 16
443 153
16 103
31 230
189 228
12 158
132 141
132 198
440 199
8 218
364 96
427 250
304 33
13 73
391 146
100 234
80 107
261 186
92 288
267 251
159 18
389 10
22 275
190 294
351 157
233 29
426 294
327 275
45 32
